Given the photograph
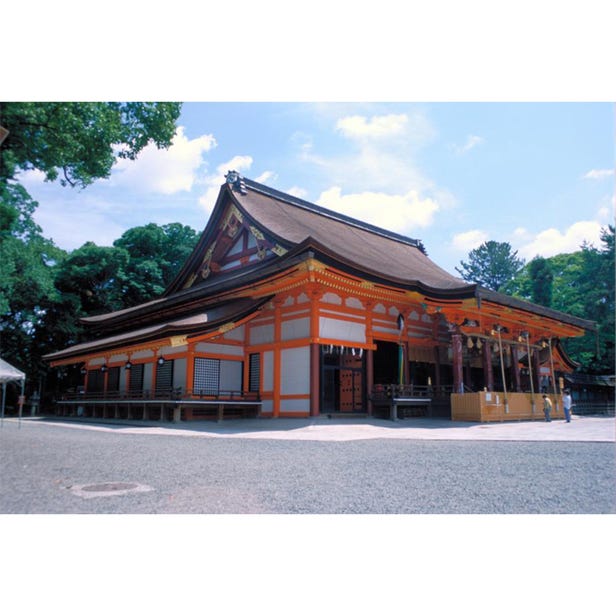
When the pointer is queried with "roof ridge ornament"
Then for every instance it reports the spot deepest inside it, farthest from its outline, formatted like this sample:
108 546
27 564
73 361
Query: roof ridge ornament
236 181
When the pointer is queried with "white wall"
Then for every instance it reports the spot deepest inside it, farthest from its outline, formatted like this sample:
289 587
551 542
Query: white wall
230 375
267 369
342 330
296 328
219 349
147 377
262 334
179 373
295 371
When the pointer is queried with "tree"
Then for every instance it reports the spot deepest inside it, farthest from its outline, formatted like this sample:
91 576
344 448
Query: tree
491 265
82 140
541 279
77 143
94 276
582 286
156 255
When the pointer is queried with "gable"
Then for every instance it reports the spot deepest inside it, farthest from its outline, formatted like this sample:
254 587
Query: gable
234 241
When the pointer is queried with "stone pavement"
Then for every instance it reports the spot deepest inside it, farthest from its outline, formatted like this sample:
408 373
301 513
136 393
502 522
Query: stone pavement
581 429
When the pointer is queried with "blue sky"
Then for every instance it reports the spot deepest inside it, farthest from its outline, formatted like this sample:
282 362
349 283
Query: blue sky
537 175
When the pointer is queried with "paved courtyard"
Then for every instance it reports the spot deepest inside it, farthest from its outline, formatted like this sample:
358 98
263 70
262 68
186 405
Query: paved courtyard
313 466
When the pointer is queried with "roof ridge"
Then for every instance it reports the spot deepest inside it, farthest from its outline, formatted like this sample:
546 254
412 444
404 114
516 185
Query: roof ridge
322 211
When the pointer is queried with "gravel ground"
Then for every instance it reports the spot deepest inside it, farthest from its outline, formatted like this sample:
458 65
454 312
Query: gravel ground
42 465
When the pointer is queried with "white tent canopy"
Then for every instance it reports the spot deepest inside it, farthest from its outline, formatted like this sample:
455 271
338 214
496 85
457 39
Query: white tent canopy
9 374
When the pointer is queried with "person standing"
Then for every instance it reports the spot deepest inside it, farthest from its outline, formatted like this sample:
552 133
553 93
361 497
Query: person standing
567 404
547 407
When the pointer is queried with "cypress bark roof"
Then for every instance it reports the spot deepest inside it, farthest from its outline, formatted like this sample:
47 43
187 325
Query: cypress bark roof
298 228
368 247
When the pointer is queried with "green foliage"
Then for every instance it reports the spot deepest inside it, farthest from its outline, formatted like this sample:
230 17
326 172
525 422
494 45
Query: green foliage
582 286
26 285
42 292
491 265
82 140
156 255
94 276
541 279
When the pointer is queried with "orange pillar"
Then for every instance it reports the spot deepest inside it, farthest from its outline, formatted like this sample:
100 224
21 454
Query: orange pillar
458 381
277 358
369 377
190 369
315 380
437 369
488 374
515 368
315 293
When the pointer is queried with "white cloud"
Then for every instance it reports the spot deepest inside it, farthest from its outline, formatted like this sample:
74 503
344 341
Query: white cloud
164 171
472 141
598 174
265 177
605 214
469 240
298 192
357 126
552 242
521 233
398 213
31 177
213 182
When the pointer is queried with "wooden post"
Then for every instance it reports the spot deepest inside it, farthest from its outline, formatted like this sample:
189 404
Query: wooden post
393 411
515 368
437 369
177 414
190 369
315 294
369 306
553 375
530 377
537 369
502 364
456 345
488 375
369 378
277 357
315 368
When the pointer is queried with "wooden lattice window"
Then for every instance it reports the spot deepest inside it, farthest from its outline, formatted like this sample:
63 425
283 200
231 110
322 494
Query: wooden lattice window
206 377
254 374
96 381
164 376
113 380
136 378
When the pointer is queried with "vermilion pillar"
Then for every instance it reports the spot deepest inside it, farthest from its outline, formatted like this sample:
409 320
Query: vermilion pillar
315 380
369 377
488 375
277 357
537 370
456 345
515 368
437 369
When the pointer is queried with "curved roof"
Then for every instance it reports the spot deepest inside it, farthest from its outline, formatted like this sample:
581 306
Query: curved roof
366 246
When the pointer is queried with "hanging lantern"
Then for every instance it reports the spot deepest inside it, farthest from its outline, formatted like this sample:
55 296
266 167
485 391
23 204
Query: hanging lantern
469 343
479 343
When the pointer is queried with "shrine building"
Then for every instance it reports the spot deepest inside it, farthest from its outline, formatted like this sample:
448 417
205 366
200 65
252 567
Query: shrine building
288 309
